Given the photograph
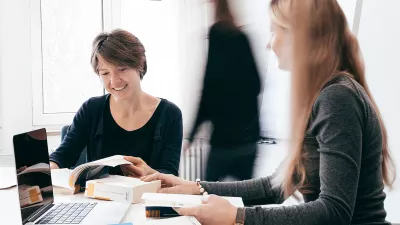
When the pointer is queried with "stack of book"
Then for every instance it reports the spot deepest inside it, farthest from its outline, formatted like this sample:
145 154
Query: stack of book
120 188
29 195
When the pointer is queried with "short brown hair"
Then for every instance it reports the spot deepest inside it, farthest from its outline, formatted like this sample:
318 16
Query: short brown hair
120 48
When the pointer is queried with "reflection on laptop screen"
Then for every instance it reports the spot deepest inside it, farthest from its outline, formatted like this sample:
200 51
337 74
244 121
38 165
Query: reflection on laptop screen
33 171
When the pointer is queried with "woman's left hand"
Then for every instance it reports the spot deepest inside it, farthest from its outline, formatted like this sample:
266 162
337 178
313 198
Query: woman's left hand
215 210
138 169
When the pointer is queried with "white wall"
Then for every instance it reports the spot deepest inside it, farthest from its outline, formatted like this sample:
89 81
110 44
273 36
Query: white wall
193 52
15 72
1 106
379 37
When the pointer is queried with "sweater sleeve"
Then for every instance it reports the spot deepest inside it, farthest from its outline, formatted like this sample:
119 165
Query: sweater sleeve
67 154
172 143
338 126
253 192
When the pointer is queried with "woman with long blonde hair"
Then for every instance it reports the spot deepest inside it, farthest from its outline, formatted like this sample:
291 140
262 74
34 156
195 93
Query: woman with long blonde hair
339 158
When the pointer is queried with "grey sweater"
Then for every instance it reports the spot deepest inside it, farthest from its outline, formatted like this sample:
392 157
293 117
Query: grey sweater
344 175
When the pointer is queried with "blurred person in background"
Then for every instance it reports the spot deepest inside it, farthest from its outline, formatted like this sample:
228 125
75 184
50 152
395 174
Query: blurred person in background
229 99
339 158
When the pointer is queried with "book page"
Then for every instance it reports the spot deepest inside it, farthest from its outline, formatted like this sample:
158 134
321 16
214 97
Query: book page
113 161
40 167
60 177
121 181
180 220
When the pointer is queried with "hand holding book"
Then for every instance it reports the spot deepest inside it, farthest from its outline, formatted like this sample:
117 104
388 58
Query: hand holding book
172 184
138 168
213 210
210 209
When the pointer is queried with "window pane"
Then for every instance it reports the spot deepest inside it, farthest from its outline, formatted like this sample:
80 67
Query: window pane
155 23
348 7
68 28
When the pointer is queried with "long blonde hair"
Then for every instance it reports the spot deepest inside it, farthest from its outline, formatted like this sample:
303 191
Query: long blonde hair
323 46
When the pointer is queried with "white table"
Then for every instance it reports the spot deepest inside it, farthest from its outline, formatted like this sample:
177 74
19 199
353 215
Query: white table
10 211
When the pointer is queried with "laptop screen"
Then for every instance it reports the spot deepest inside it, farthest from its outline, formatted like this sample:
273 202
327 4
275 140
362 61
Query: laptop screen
33 171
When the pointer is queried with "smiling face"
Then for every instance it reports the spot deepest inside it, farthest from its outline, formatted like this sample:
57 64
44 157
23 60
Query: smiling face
119 59
122 82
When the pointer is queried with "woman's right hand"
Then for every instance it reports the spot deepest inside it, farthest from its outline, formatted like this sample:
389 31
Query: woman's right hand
173 185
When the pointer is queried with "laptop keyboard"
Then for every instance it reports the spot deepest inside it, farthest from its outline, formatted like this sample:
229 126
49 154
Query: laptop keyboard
72 213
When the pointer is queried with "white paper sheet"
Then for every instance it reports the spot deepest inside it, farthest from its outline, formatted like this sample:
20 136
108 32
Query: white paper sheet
8 177
60 177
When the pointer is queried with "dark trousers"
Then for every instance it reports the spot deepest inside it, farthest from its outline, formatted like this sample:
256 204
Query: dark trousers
236 162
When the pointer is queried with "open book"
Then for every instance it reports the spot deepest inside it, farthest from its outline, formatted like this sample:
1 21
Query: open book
161 205
75 180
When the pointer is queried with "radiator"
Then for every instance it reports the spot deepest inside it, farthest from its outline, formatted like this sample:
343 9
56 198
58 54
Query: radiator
192 164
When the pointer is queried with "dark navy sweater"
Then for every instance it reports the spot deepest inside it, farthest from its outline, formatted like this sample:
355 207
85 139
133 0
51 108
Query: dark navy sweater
87 130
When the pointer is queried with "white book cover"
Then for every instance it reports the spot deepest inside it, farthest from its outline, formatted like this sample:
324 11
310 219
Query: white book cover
120 188
180 200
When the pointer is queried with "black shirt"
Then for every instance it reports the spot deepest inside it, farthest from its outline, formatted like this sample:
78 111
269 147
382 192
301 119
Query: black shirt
87 130
137 143
230 88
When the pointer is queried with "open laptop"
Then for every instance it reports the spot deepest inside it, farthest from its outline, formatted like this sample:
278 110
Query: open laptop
35 189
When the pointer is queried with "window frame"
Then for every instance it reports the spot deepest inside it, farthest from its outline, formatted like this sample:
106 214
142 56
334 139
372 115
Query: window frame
111 18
